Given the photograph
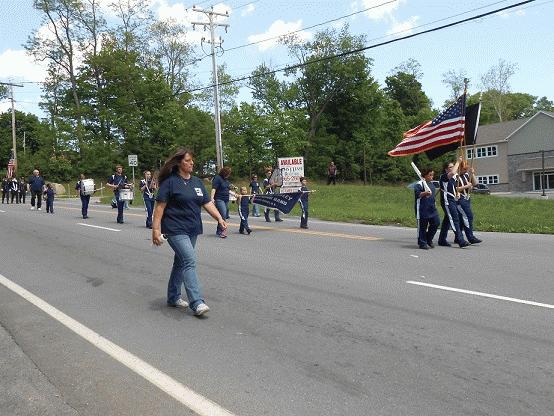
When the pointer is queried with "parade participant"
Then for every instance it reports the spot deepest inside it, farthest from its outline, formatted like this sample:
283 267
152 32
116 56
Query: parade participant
117 182
466 183
85 199
255 190
49 193
332 173
6 185
304 203
448 203
148 187
177 218
14 190
220 196
269 188
36 185
243 200
22 190
427 216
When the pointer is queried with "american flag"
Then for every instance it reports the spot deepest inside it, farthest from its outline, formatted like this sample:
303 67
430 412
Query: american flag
446 128
11 166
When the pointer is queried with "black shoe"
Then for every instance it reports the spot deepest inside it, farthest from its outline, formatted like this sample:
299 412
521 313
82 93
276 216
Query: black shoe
278 220
425 247
430 244
241 231
464 244
445 244
267 220
249 231
475 241
304 227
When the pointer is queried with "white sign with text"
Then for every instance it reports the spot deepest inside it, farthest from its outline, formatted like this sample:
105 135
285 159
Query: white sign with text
292 168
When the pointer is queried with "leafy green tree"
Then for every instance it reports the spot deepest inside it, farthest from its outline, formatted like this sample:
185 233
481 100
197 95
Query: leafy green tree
408 92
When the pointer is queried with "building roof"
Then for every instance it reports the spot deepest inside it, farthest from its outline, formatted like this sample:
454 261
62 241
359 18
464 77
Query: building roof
496 132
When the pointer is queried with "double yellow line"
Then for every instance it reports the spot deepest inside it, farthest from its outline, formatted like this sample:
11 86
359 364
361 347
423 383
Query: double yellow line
262 227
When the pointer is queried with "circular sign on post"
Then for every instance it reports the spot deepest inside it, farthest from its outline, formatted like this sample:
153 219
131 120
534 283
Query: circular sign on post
133 160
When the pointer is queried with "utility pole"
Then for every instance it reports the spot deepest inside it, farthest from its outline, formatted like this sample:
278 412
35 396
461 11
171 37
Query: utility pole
212 25
14 144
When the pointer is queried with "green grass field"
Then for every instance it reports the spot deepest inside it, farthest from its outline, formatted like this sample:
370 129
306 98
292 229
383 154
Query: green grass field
394 205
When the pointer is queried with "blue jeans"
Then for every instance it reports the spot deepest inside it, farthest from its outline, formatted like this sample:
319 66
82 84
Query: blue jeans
223 208
85 199
255 210
184 270
149 204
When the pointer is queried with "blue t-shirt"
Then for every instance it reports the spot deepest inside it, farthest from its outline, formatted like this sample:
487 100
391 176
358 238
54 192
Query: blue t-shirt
221 187
244 201
184 199
119 180
255 187
49 194
36 183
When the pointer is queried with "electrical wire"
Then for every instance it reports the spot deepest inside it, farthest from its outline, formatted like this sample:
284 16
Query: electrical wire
311 27
358 50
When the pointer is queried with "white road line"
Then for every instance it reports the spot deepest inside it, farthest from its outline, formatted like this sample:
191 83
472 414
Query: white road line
97 226
485 295
2 211
194 401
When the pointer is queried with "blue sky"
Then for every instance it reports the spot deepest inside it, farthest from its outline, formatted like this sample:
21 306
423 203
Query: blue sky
523 36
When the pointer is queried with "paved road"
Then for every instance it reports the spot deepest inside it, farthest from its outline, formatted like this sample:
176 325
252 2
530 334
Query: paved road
321 322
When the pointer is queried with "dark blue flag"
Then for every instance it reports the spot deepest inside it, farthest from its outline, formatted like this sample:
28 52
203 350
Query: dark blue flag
283 202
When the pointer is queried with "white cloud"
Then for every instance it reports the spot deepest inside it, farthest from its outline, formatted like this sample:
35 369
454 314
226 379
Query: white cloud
379 12
507 14
249 10
405 27
278 28
17 65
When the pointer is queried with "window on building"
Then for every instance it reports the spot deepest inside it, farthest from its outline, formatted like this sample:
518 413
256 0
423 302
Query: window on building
488 180
485 151
547 178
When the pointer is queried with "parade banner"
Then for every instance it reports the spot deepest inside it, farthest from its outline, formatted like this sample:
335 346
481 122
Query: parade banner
292 168
284 202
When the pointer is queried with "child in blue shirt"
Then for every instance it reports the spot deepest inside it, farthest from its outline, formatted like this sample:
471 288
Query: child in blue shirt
243 201
49 194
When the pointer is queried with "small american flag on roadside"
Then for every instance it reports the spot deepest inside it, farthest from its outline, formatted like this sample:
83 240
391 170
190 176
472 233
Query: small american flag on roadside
446 128
11 166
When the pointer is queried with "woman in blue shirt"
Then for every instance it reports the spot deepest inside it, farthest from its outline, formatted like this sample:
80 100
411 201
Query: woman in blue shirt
220 195
177 218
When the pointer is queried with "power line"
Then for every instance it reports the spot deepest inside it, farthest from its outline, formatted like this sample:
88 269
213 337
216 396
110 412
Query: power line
358 50
311 27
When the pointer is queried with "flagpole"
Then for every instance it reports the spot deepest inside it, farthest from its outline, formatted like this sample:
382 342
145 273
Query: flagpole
463 141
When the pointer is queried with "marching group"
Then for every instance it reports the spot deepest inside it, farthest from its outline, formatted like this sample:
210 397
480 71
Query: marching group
173 203
456 183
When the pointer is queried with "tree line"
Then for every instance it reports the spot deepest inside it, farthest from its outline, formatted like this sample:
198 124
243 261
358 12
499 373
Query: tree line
126 85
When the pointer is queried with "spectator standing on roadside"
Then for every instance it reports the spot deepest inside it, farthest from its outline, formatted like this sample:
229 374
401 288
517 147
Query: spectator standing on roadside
332 173
36 185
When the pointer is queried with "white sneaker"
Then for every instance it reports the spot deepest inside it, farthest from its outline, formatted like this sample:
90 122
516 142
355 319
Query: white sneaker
180 304
201 309
40 209
32 208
